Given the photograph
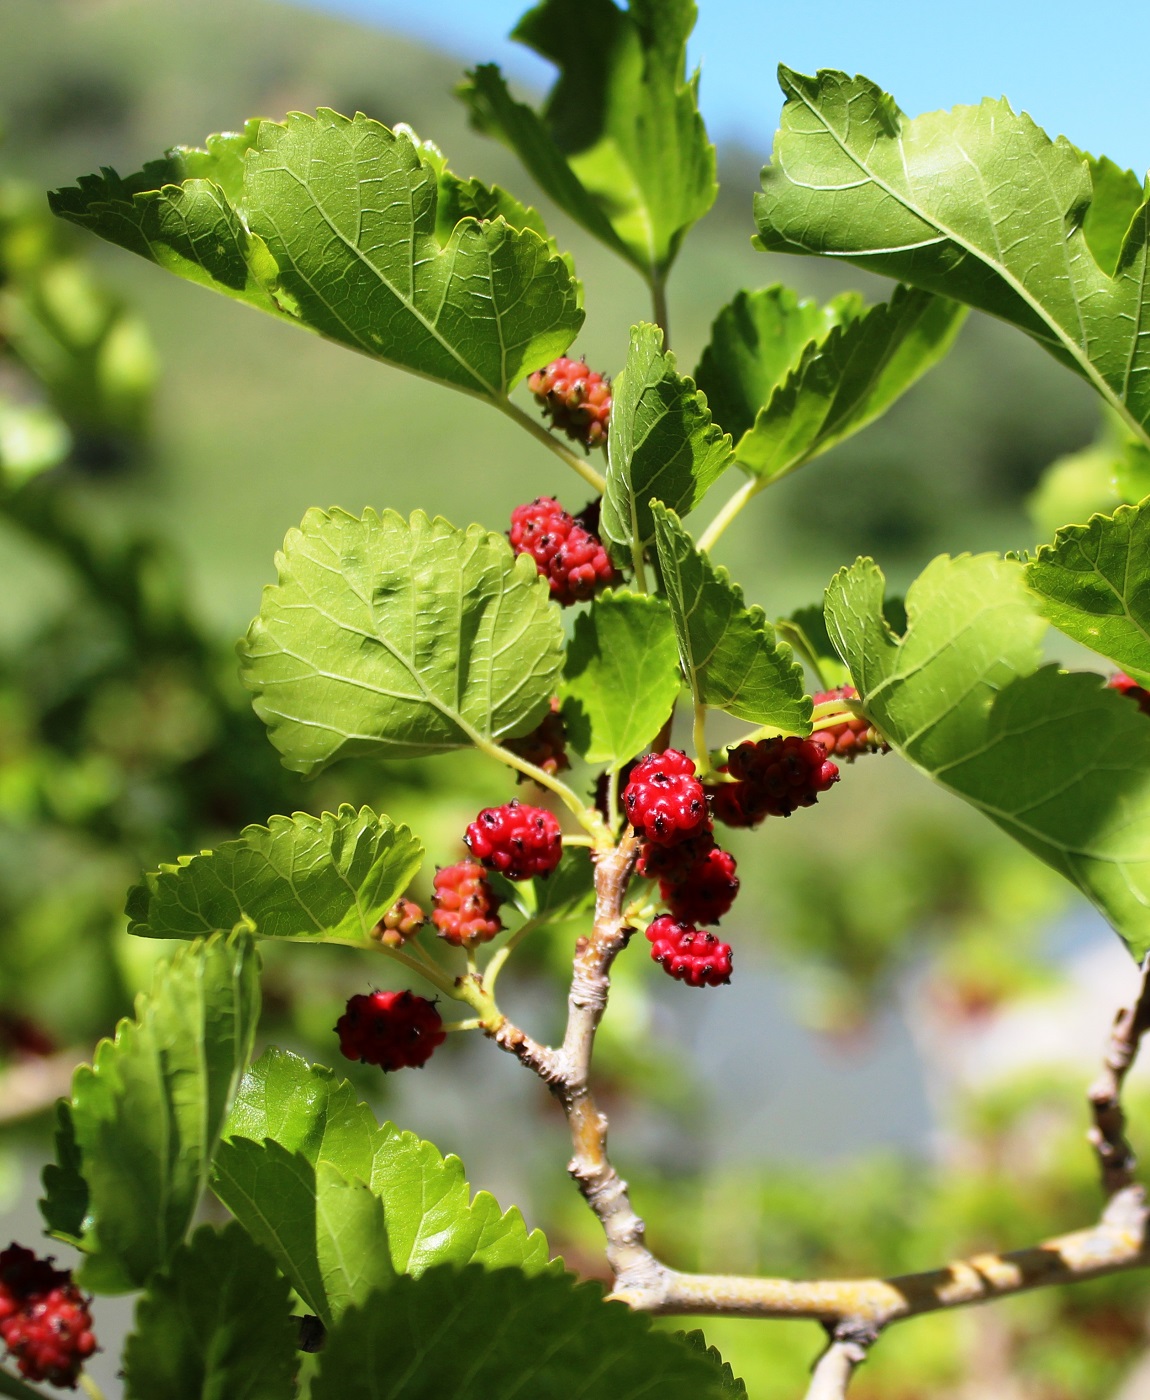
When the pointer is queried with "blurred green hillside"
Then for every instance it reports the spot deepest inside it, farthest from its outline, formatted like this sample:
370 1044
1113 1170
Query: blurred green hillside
257 422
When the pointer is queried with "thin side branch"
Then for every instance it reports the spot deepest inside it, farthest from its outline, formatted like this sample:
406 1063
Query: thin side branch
834 1369
1116 1160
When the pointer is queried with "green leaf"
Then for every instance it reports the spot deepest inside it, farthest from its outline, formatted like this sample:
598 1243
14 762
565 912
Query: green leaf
619 145
661 443
621 677
326 1233
728 651
216 1321
390 639
1093 583
471 1334
326 879
334 223
839 383
1058 760
976 204
137 1139
429 1214
568 889
806 632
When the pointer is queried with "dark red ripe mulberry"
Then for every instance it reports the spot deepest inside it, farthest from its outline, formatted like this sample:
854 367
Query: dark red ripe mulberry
465 905
546 745
673 863
44 1318
575 398
1127 685
847 738
689 954
395 1030
567 552
705 891
517 840
774 778
664 801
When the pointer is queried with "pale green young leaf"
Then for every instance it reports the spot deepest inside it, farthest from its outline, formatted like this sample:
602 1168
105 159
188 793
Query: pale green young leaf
326 879
976 204
1093 583
216 1321
473 1334
393 639
661 443
137 1137
621 677
334 223
429 1214
1058 760
619 144
728 651
846 379
756 341
1074 487
806 632
326 1233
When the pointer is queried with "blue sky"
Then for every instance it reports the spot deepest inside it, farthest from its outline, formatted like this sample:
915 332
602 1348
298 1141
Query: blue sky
1082 78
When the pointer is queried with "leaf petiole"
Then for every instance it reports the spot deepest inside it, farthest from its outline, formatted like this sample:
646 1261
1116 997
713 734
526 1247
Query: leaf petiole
729 512
587 817
537 430
495 966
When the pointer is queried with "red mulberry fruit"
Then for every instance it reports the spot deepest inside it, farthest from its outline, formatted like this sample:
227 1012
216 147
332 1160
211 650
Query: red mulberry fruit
466 906
575 398
664 801
394 1030
568 553
689 954
517 840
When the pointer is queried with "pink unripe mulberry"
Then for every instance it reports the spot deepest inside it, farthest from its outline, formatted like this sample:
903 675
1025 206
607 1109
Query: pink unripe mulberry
466 906
689 954
848 738
566 549
517 840
664 801
576 398
394 1030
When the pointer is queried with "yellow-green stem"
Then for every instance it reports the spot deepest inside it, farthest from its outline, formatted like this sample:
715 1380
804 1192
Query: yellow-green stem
587 817
702 755
423 965
537 430
495 966
728 513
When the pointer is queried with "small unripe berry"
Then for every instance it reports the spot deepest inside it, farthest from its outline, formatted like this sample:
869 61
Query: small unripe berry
848 738
567 550
402 921
466 906
518 841
689 954
664 801
394 1030
546 745
575 398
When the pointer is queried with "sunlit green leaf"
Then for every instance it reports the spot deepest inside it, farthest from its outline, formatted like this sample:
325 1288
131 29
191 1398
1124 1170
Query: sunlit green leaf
473 1334
326 879
849 371
334 223
1093 583
977 204
137 1137
429 1214
216 1321
728 651
1058 760
393 639
661 443
619 144
621 678
569 888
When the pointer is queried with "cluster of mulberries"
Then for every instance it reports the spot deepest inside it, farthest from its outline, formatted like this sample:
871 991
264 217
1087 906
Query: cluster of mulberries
44 1318
576 398
566 548
773 778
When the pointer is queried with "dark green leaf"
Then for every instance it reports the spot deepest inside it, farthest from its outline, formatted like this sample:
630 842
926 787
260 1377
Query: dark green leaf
334 223
728 651
216 1321
472 1334
661 443
391 639
429 1214
1059 761
326 1233
138 1137
326 879
621 677
976 204
1093 583
619 145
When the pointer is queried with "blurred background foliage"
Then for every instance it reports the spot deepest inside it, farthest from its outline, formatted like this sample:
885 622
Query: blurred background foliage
156 444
